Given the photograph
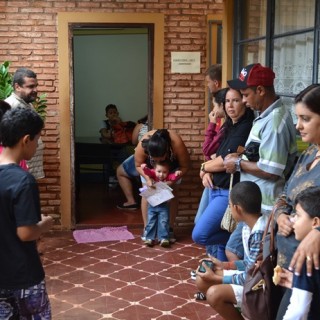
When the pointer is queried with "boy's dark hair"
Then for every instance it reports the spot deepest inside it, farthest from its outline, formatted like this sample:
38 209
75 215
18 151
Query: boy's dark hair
22 73
111 106
215 72
309 201
18 122
247 195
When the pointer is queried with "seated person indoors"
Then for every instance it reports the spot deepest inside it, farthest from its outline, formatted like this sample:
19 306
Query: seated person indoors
113 118
304 301
223 284
126 171
114 130
158 216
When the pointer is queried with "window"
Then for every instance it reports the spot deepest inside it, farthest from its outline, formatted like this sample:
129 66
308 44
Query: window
282 34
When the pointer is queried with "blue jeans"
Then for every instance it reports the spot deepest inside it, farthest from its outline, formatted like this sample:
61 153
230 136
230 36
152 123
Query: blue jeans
204 201
235 244
158 222
207 231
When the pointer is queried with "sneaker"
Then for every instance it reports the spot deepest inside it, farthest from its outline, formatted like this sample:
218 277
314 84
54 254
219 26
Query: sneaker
165 243
143 236
149 242
172 237
193 274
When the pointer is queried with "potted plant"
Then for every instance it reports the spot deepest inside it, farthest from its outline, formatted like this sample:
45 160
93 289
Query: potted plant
5 81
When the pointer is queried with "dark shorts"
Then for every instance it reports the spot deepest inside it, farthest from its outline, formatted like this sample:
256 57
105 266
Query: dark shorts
25 304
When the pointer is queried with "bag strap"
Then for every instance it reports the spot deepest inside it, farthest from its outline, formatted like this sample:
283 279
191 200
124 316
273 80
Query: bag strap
270 226
231 183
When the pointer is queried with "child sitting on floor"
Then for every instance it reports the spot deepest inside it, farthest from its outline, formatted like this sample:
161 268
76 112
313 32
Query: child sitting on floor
158 216
223 284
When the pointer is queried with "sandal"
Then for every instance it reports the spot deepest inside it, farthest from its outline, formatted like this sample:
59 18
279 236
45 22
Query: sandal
134 206
200 296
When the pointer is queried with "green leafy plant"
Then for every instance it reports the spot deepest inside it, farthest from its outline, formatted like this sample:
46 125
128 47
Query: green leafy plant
5 81
40 104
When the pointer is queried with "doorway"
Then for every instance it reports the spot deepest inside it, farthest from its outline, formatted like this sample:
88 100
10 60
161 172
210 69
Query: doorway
67 24
112 65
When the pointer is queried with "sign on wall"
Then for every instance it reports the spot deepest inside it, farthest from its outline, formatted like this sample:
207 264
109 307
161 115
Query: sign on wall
185 62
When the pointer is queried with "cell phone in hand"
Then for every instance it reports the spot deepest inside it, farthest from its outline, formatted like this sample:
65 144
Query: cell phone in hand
209 263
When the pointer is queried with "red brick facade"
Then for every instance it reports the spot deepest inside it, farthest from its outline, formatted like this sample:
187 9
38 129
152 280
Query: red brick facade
28 37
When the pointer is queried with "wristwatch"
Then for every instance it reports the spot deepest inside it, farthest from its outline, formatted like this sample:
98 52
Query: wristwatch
237 164
202 168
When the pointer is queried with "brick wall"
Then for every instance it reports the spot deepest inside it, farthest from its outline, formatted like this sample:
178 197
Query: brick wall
28 37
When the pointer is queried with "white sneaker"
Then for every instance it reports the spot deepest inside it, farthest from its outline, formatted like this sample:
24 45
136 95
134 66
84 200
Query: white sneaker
165 243
143 236
149 242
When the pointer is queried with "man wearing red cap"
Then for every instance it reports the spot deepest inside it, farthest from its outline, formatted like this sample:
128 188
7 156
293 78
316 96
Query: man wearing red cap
271 146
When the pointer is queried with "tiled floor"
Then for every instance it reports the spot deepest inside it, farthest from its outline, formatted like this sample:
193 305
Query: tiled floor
119 279
122 279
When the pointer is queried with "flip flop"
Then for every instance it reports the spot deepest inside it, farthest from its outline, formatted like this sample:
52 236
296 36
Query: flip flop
128 207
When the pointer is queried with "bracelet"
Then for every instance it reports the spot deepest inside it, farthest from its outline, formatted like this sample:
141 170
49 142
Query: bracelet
202 168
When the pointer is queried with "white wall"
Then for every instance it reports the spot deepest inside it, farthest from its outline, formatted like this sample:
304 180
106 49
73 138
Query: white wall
109 69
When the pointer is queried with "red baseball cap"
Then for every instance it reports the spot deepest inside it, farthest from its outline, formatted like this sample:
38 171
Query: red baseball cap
253 75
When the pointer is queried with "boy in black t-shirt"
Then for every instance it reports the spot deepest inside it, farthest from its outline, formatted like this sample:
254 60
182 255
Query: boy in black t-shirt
23 292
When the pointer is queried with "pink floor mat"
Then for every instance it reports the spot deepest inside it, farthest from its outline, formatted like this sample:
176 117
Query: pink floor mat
103 234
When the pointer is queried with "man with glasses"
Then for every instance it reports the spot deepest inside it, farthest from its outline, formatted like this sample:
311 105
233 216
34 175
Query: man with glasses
25 92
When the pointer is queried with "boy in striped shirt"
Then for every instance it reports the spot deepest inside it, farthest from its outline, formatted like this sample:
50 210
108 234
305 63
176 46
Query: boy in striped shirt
223 284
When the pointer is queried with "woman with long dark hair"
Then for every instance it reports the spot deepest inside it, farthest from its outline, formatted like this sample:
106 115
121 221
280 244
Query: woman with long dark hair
156 146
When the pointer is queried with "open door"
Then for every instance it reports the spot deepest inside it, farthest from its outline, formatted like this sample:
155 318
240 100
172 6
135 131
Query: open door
67 23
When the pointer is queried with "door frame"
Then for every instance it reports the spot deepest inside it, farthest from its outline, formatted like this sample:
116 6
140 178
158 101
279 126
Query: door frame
66 101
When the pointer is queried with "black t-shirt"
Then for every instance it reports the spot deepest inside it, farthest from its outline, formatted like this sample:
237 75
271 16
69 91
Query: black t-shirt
236 135
20 265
